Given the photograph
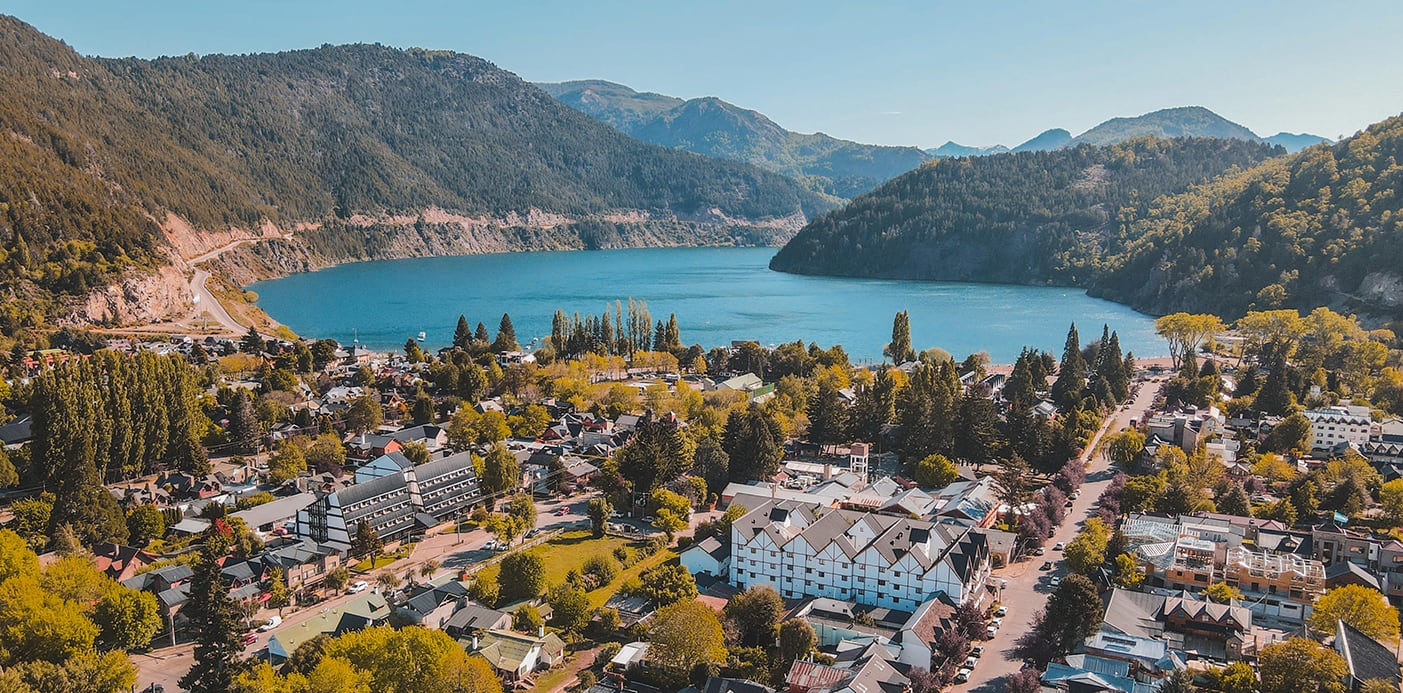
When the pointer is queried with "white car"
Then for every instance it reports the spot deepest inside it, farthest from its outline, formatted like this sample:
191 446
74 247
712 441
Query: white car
970 662
1059 546
357 587
271 623
962 675
991 631
1055 581
1001 611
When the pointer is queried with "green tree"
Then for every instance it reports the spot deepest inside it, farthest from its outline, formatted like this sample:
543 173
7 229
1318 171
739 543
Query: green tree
1364 608
463 334
668 583
423 411
754 443
243 430
712 464
366 541
145 523
1073 612
755 614
286 462
31 521
126 619
669 523
279 596
502 472
527 619
899 349
523 575
1071 373
214 618
1300 665
1237 677
796 640
828 415
1391 498
1128 573
1087 552
523 508
1124 448
936 471
416 452
506 336
684 635
569 606
1291 435
408 659
599 511
1222 592
337 578
1235 502
364 414
505 526
658 452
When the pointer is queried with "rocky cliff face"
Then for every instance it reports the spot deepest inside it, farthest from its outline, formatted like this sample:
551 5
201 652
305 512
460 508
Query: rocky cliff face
139 298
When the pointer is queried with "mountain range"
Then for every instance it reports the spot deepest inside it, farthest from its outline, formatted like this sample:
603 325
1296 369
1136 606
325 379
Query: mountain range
713 127
367 151
1164 225
840 168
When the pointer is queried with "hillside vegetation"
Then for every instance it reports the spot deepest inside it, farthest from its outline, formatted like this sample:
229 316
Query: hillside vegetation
716 128
1321 227
1143 224
1025 218
92 150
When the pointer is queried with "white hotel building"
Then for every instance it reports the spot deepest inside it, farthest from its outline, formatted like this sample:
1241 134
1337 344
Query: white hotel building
805 550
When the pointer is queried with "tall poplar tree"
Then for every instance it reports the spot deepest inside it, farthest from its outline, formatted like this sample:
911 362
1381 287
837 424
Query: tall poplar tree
899 350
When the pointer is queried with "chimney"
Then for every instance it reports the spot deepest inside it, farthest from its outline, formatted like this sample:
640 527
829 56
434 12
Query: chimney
828 470
474 643
540 631
774 490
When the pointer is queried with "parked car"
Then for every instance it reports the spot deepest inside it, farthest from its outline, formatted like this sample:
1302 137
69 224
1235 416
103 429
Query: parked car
1068 504
1039 551
1001 611
271 623
357 587
990 632
1047 565
962 675
248 638
1055 581
1059 546
971 661
976 651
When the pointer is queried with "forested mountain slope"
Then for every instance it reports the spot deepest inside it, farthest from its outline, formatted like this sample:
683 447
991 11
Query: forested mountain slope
1025 218
716 128
93 150
1321 227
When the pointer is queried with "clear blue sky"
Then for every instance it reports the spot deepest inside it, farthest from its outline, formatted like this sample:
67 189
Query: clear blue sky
887 72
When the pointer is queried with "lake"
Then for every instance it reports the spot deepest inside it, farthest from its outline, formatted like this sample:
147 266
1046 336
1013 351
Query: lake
718 294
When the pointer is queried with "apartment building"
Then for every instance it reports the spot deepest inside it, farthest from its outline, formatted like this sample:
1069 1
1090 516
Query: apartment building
1335 426
805 550
395 504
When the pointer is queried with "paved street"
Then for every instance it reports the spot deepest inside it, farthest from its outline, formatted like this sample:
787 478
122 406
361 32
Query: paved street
1027 585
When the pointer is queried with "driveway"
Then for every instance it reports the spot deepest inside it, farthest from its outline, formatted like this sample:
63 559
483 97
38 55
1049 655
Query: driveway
1028 586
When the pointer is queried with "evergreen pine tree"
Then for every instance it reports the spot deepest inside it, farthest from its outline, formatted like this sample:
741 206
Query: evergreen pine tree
215 620
243 432
480 336
1071 374
463 334
506 336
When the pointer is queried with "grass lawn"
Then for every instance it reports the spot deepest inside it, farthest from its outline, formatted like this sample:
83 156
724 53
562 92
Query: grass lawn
549 680
383 560
570 550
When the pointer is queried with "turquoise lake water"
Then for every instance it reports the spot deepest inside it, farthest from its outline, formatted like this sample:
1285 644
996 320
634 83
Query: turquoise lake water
718 294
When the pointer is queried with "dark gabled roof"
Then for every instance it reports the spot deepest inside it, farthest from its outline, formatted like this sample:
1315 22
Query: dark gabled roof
1349 570
474 616
372 488
447 465
1366 657
717 684
17 431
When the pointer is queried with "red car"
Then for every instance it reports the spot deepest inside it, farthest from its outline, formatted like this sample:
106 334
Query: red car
248 638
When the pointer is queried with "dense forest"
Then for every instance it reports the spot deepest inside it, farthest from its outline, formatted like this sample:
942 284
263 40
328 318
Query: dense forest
1025 218
92 150
835 167
1163 225
1321 227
